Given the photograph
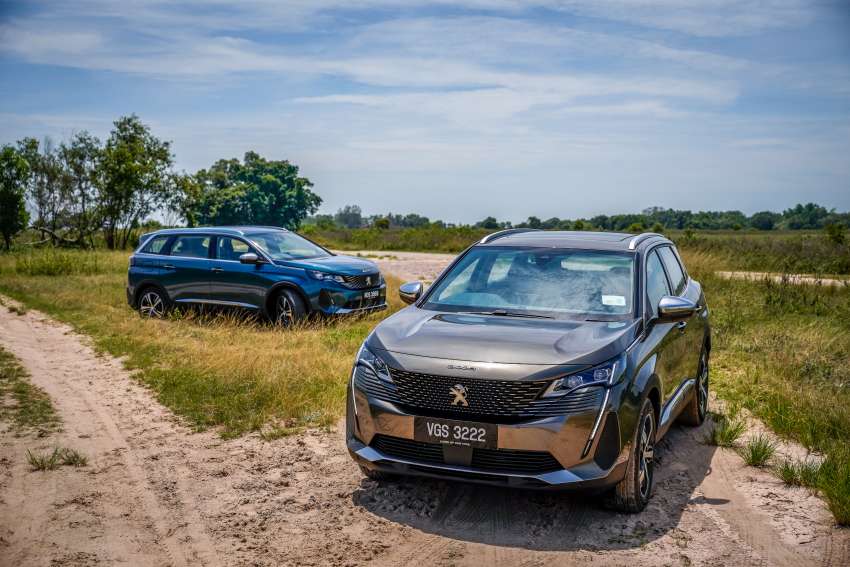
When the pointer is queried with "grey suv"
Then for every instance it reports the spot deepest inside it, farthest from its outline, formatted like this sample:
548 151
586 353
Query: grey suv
539 360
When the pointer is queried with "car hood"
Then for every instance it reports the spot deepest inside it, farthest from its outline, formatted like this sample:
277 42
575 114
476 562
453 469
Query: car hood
346 265
504 340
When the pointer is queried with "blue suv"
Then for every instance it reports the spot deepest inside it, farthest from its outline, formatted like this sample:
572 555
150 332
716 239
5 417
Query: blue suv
276 272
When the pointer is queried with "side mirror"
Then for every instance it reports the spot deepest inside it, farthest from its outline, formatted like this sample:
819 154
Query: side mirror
410 292
672 309
249 258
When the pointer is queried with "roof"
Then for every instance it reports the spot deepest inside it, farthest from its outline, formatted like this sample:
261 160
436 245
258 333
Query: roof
235 230
586 240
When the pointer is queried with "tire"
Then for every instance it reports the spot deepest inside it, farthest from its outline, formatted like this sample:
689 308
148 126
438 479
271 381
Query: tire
153 303
288 308
695 412
632 494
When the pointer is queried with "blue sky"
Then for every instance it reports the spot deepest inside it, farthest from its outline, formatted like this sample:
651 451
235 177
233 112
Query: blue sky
461 109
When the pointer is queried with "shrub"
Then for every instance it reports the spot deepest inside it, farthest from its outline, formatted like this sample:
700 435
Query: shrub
758 450
725 432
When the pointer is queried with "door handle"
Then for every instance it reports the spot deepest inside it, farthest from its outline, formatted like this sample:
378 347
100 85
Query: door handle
681 325
217 270
168 266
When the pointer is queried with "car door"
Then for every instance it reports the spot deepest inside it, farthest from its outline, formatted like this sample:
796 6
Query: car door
187 268
232 282
692 328
668 338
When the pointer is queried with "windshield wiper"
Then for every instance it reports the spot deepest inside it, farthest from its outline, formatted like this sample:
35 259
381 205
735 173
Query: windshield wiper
504 313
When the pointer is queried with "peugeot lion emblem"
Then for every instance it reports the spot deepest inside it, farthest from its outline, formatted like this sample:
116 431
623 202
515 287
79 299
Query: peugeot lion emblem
368 280
459 392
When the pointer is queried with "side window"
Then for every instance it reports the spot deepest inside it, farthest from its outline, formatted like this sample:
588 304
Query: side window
191 246
231 248
656 282
156 245
677 276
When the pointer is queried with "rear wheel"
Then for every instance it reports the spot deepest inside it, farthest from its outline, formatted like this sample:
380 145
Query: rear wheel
289 308
633 492
695 412
153 303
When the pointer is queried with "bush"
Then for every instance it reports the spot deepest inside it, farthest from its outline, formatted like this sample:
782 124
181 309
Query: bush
758 450
725 432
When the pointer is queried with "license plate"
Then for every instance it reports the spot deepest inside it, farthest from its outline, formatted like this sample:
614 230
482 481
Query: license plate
371 294
452 432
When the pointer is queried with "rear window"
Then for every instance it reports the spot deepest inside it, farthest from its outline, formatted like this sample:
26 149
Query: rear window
156 245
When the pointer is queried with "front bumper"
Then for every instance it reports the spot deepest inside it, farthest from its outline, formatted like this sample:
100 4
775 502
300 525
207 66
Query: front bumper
337 300
586 446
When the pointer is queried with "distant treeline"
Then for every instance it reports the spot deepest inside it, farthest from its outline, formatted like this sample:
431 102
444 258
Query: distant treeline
808 216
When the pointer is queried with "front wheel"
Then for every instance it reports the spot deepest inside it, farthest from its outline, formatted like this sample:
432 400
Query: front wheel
289 308
633 492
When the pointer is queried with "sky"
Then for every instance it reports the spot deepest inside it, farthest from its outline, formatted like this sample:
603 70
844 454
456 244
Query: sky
461 109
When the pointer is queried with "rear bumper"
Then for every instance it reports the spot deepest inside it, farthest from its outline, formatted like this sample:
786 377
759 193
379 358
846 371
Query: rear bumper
563 437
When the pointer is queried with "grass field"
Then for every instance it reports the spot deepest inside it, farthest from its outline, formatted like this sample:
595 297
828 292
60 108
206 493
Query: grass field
780 350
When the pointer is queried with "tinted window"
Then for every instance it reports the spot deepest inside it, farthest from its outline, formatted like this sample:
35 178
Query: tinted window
674 270
560 283
191 246
231 248
156 245
656 282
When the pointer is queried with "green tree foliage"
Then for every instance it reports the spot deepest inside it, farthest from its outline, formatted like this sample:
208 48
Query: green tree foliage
802 216
14 174
44 188
381 223
350 216
489 222
252 191
135 179
764 220
80 162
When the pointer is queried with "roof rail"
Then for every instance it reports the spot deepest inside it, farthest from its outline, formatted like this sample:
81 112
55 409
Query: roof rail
507 232
641 237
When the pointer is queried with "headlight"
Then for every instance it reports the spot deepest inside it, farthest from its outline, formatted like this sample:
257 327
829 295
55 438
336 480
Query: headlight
325 276
606 374
373 362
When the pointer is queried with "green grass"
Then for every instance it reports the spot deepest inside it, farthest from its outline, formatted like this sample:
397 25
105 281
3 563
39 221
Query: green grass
24 405
226 371
799 472
56 458
758 450
725 431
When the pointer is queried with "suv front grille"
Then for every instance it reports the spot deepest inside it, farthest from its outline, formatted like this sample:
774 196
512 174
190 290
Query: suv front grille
489 400
490 460
362 281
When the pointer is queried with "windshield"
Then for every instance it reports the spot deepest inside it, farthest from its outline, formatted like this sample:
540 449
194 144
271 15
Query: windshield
581 284
287 246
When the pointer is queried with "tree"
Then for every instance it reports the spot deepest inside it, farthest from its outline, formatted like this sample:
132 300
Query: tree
805 216
135 178
350 216
253 191
43 191
489 223
764 220
381 223
14 175
80 160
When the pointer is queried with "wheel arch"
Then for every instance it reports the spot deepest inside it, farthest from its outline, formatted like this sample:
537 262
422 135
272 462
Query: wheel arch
145 285
280 286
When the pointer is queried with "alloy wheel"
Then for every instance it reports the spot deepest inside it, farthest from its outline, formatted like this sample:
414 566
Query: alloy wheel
152 305
646 451
285 315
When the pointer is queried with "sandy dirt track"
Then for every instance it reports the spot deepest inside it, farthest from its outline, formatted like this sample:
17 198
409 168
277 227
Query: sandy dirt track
154 493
